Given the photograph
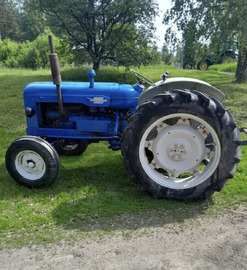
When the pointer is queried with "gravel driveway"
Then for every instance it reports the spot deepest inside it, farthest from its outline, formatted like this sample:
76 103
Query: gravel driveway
201 243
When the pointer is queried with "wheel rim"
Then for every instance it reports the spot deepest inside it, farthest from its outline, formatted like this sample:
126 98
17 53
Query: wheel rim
30 165
179 151
227 59
203 65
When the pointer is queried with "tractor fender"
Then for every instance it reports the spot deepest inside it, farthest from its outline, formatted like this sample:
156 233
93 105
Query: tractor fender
181 84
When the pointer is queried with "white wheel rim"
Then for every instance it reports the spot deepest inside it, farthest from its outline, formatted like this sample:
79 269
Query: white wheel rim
30 165
174 150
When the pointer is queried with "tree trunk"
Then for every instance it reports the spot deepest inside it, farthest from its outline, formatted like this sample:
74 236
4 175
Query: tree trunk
241 73
96 65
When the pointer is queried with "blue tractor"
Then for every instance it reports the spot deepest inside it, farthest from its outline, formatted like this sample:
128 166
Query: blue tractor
177 139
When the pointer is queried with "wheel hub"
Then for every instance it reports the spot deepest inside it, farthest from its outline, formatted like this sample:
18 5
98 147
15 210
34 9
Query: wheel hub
178 150
30 165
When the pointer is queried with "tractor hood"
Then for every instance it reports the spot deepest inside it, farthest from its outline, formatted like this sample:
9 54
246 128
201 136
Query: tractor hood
111 95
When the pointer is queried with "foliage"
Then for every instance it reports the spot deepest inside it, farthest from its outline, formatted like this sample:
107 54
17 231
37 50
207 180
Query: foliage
215 21
203 51
106 74
228 67
167 57
100 32
7 50
189 47
130 53
34 54
18 22
94 194
101 26
32 22
8 24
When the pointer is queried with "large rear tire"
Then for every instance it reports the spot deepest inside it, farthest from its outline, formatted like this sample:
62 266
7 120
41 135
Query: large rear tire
181 145
32 162
227 57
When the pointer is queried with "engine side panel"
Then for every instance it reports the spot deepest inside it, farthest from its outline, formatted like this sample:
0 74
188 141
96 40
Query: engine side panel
91 113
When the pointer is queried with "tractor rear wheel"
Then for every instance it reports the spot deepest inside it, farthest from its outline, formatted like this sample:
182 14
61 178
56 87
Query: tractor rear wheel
32 162
228 57
181 145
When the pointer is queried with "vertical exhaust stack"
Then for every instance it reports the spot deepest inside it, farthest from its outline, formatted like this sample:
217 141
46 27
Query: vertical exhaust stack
56 76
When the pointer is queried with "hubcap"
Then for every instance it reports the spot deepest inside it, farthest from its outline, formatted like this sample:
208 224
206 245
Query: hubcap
174 150
30 165
203 66
178 150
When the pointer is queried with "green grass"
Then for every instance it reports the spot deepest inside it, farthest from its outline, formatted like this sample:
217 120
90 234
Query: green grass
93 194
228 67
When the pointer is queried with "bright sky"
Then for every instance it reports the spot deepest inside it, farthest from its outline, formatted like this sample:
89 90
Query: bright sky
161 28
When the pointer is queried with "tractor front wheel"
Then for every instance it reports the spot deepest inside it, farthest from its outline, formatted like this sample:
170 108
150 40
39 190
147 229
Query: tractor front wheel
181 145
32 162
203 65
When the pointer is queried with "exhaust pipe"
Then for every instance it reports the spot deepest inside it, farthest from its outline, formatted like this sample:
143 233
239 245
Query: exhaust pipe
56 76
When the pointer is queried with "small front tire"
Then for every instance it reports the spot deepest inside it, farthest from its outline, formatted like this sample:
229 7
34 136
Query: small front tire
32 162
203 65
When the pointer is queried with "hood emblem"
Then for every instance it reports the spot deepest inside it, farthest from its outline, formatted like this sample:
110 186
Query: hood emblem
98 100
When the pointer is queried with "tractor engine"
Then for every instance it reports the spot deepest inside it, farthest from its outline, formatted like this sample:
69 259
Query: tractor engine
91 111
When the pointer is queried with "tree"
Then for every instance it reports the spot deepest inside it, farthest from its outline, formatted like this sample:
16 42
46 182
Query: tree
32 22
241 73
18 22
215 20
189 48
166 56
99 26
8 25
135 49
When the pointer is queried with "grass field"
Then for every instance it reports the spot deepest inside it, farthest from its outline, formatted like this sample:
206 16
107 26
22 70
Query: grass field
93 193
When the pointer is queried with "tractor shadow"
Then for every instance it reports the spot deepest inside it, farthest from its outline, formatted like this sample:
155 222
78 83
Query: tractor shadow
112 201
72 217
94 193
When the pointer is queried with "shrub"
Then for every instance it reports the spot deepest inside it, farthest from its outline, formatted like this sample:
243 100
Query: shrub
228 67
105 74
8 51
34 54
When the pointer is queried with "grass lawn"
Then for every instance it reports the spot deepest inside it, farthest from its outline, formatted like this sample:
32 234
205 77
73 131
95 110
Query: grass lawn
93 193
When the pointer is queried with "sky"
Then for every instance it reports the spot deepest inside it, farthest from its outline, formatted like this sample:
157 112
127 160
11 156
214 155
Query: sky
161 28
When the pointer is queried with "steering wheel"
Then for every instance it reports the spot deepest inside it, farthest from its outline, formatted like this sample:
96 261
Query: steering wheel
141 78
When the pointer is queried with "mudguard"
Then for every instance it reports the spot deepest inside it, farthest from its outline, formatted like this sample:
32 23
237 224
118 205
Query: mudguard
181 84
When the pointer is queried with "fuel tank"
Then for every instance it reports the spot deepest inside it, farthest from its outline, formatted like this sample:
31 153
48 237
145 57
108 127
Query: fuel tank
111 95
